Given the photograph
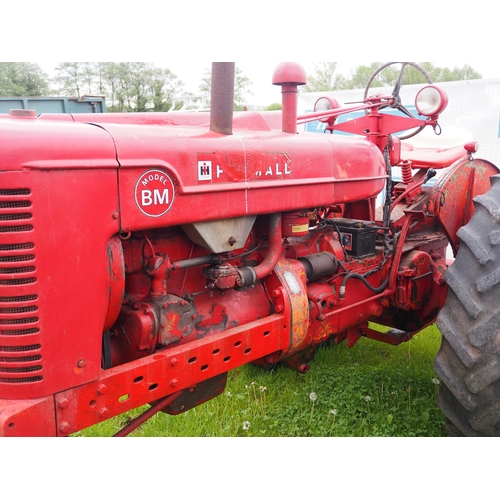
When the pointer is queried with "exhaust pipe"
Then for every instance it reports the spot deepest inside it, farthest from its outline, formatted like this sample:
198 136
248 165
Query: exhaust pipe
222 97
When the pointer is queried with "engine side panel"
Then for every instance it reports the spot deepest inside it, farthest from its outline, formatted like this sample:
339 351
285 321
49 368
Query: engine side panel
54 277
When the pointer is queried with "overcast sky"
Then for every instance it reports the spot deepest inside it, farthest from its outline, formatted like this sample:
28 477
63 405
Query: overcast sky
186 36
181 35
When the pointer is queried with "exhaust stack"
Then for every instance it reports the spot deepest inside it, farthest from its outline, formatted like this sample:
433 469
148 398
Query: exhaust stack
222 97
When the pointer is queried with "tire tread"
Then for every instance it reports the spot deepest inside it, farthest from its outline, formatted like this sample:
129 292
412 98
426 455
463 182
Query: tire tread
468 361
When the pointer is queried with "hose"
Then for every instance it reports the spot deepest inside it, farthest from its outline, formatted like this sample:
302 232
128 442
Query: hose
365 282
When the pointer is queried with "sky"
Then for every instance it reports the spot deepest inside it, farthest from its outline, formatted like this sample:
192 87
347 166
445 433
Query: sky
187 36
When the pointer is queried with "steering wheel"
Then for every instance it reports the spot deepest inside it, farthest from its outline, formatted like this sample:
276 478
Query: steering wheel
395 92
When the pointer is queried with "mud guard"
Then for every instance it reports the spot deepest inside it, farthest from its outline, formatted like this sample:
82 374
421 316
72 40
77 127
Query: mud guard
453 193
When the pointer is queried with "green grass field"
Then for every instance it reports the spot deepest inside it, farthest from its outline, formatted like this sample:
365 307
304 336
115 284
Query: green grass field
371 389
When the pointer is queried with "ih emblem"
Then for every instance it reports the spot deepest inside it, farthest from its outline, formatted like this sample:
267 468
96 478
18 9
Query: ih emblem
204 170
154 193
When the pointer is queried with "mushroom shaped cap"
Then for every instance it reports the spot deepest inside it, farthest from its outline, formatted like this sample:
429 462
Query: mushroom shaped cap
289 72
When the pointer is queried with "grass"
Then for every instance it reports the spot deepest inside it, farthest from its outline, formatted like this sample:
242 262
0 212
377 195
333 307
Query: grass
372 389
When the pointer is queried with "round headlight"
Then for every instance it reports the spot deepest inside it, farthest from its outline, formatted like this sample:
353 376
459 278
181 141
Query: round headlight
431 101
324 104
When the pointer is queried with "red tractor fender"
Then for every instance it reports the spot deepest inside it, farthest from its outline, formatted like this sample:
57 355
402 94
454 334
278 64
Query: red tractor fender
454 192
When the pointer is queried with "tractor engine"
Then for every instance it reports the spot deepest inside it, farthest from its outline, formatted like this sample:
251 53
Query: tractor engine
178 288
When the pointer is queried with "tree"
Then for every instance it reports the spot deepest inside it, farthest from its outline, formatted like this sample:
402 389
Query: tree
388 76
273 107
137 86
466 72
360 76
23 79
99 77
325 78
129 86
206 81
134 76
69 78
163 85
241 86
89 78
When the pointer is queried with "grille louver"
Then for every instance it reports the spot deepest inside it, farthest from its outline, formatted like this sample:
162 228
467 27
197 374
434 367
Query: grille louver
20 347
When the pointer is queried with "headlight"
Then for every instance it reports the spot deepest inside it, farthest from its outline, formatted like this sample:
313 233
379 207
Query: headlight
431 101
326 104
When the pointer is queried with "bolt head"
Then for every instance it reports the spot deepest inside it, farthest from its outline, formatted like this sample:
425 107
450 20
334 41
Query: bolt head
63 403
103 412
65 427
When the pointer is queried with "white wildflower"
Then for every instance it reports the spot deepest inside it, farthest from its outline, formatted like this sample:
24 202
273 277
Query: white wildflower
436 381
333 412
246 425
262 389
368 398
313 396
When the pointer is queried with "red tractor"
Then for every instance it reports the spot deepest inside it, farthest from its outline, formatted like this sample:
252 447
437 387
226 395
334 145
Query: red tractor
143 256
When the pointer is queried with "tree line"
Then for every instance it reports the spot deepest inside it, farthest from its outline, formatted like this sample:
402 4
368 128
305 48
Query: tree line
128 86
142 86
326 76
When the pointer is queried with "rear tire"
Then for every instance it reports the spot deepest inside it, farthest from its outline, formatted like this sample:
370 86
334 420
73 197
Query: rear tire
468 362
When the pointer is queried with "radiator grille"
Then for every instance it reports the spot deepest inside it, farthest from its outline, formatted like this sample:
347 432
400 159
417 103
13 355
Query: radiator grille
26 331
24 348
15 192
21 359
17 246
15 310
17 258
16 229
23 281
21 298
15 216
17 270
20 330
15 204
